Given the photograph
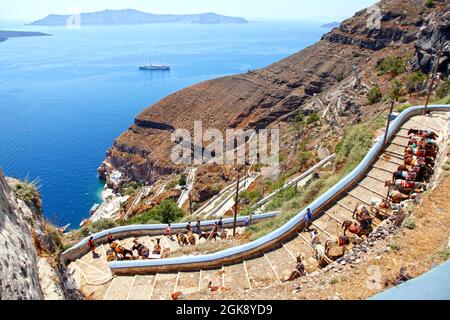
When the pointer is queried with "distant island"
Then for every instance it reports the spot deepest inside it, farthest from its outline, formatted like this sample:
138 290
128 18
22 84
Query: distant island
331 25
4 35
131 16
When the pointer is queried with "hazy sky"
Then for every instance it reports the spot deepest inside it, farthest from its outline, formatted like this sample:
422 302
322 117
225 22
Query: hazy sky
28 10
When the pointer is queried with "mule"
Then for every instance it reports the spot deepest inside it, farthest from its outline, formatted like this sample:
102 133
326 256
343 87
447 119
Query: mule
404 175
423 133
407 186
122 251
182 239
354 228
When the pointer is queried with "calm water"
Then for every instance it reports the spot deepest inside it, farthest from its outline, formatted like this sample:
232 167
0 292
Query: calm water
65 98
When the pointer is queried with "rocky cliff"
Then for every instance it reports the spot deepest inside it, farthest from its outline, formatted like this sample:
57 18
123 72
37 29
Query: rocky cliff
27 265
18 256
331 77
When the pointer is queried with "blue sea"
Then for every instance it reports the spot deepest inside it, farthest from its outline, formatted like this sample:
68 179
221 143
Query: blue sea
65 98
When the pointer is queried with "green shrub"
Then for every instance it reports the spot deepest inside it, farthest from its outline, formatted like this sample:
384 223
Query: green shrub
413 80
409 223
182 181
56 237
429 3
334 280
299 119
272 185
172 184
102 224
355 145
443 89
281 197
97 226
28 192
402 107
312 118
304 156
166 212
395 89
339 77
392 66
338 147
394 245
445 100
250 197
130 188
374 95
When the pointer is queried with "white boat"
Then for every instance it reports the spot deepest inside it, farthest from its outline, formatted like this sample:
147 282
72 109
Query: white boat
154 66
63 229
94 208
83 222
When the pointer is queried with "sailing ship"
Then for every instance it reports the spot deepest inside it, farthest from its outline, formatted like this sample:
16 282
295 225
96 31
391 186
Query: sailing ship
155 66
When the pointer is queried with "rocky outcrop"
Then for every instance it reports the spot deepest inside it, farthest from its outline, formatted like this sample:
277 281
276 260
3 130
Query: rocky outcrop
386 24
434 34
5 35
330 77
18 256
28 268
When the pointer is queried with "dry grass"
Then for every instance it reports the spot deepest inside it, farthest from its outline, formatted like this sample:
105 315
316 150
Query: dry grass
203 248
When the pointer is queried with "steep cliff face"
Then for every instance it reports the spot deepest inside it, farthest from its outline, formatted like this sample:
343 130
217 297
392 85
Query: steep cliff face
434 35
332 77
28 270
18 256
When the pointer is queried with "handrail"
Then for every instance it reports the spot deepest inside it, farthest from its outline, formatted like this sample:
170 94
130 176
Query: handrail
81 247
286 231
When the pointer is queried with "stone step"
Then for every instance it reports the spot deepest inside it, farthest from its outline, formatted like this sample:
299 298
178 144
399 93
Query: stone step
395 149
381 174
298 247
99 292
188 282
389 162
374 186
329 228
363 196
119 288
400 140
98 262
235 277
213 275
282 262
142 287
164 286
260 272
